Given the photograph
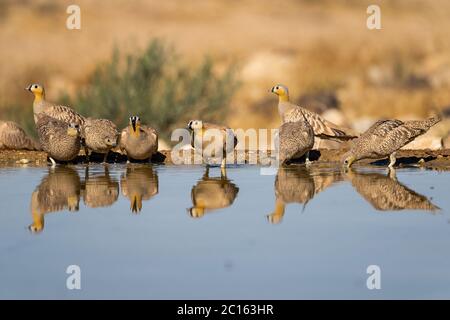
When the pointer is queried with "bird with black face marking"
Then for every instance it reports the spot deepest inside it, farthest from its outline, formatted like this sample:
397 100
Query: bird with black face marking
322 128
58 190
211 194
59 112
139 141
100 136
60 140
13 137
295 139
385 137
140 182
212 140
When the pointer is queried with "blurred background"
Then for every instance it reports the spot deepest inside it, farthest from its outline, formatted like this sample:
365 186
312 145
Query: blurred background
171 61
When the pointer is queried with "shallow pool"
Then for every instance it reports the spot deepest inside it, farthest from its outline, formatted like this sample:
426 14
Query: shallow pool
179 232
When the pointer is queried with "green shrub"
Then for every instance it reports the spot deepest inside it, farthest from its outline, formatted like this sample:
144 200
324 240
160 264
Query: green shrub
155 85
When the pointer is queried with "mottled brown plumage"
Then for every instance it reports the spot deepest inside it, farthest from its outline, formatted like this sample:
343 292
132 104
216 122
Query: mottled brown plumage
299 185
140 182
99 189
59 140
140 142
295 140
385 137
59 112
100 136
12 136
58 190
385 193
322 128
212 194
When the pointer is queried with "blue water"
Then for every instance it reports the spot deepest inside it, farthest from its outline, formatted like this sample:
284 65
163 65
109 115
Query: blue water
318 250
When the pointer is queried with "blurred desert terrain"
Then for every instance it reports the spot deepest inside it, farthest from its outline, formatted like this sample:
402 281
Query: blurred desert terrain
321 49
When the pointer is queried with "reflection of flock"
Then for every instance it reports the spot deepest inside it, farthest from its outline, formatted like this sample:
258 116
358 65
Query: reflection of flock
62 189
383 192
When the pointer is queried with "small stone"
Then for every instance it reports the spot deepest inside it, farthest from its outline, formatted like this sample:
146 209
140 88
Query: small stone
23 161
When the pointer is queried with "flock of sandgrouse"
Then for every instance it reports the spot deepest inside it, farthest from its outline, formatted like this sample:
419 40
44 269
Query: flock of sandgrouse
63 132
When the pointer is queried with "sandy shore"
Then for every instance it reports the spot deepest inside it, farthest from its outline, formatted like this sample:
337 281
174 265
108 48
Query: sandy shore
432 159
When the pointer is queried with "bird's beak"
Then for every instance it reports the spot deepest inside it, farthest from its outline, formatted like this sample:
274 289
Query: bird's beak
28 88
272 90
133 124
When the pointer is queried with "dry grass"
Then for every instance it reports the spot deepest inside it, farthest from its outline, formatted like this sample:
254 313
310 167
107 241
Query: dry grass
402 70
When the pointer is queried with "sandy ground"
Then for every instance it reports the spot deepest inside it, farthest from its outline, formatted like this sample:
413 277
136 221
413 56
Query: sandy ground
430 159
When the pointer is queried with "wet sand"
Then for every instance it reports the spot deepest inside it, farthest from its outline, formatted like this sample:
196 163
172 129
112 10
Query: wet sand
432 159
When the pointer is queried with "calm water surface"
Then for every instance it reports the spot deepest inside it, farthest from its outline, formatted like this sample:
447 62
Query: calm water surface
174 232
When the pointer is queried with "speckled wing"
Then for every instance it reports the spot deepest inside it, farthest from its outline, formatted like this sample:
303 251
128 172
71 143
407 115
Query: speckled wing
400 136
322 127
14 137
151 132
381 128
387 194
64 113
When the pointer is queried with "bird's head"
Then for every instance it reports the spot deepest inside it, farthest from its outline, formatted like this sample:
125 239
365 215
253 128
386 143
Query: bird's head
196 212
37 90
73 203
281 91
135 124
136 203
35 228
73 130
111 141
38 222
195 124
348 159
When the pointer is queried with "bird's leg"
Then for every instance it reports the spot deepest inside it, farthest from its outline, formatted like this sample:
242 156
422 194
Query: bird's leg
105 157
223 172
392 174
224 163
206 174
392 159
307 161
53 162
128 159
86 153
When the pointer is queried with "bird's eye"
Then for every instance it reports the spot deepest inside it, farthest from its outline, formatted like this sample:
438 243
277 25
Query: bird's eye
277 87
346 161
35 86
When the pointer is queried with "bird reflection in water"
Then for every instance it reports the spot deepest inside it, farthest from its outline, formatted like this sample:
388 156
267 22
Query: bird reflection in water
99 189
58 190
299 185
140 182
385 193
211 194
